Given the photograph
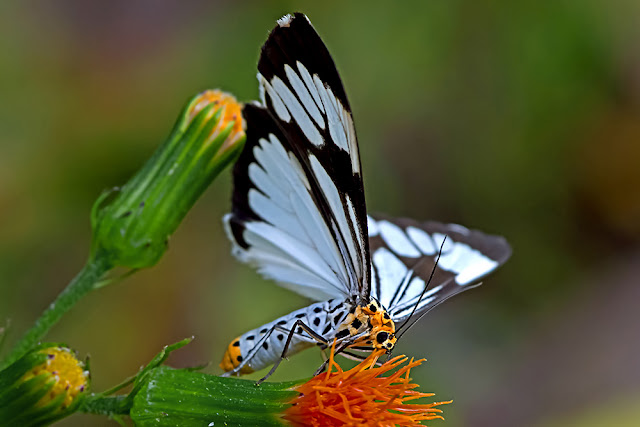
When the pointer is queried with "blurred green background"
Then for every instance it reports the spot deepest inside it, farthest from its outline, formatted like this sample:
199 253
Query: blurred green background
517 118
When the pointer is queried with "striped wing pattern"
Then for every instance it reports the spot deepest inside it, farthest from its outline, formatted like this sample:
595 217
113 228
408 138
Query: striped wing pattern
404 253
298 211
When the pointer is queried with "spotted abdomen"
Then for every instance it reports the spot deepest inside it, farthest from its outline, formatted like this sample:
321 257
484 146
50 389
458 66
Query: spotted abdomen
263 346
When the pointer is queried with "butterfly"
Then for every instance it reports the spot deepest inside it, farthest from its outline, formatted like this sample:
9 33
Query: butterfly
299 217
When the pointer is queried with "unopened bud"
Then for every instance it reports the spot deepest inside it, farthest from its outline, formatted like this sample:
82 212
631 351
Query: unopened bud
132 224
46 384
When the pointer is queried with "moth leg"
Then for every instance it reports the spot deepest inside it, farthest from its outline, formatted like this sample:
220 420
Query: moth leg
298 324
323 352
251 353
353 356
339 350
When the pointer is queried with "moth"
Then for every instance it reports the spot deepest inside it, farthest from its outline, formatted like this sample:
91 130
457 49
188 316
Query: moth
299 217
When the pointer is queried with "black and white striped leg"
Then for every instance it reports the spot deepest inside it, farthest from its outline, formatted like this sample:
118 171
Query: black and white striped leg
298 324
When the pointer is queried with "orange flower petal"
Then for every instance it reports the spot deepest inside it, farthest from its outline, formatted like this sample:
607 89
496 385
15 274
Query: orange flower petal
361 396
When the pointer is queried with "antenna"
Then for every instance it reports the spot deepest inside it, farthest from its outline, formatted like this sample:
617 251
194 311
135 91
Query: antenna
415 307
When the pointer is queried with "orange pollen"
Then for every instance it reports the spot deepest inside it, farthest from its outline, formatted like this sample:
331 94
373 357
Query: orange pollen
232 111
361 396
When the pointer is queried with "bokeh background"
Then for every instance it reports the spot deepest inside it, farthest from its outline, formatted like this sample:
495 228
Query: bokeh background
517 118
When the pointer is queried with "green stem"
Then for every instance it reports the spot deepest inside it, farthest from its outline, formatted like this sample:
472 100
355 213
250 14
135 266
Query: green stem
110 406
81 285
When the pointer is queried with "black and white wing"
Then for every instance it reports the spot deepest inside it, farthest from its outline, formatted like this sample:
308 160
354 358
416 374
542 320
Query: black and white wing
298 209
404 252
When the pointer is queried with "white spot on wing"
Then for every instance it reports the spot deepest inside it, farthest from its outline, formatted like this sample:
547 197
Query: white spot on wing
336 121
313 90
415 288
372 225
304 95
285 21
397 240
278 105
478 267
467 263
299 114
353 141
336 129
391 272
455 258
422 240
438 238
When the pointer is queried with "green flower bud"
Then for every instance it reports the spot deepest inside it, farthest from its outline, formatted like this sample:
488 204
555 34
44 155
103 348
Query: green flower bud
44 385
132 224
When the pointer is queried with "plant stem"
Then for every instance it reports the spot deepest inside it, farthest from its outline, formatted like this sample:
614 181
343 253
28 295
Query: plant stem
82 284
110 405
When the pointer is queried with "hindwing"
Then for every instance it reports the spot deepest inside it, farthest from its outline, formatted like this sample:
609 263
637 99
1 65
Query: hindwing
404 254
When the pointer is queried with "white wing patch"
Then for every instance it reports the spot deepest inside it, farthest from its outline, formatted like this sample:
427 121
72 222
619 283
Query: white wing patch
299 114
468 264
285 20
441 240
306 104
477 265
397 240
278 105
304 95
390 273
372 225
422 240
293 244
311 87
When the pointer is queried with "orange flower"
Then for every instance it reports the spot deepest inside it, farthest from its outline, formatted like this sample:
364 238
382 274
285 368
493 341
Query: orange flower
362 396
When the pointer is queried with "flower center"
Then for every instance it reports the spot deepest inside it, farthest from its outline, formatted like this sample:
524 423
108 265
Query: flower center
66 372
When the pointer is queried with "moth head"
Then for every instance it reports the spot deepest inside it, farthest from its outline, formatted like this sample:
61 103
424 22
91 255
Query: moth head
385 340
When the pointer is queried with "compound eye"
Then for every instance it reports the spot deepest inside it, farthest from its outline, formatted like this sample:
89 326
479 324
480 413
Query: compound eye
382 337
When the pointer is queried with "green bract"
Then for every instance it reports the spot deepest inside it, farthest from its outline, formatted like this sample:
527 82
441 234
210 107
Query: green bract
132 224
178 397
162 396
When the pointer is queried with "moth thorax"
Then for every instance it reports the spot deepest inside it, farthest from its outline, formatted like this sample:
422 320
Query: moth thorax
382 327
373 322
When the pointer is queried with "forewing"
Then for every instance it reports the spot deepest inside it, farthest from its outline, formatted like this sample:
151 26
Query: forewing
298 209
403 256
